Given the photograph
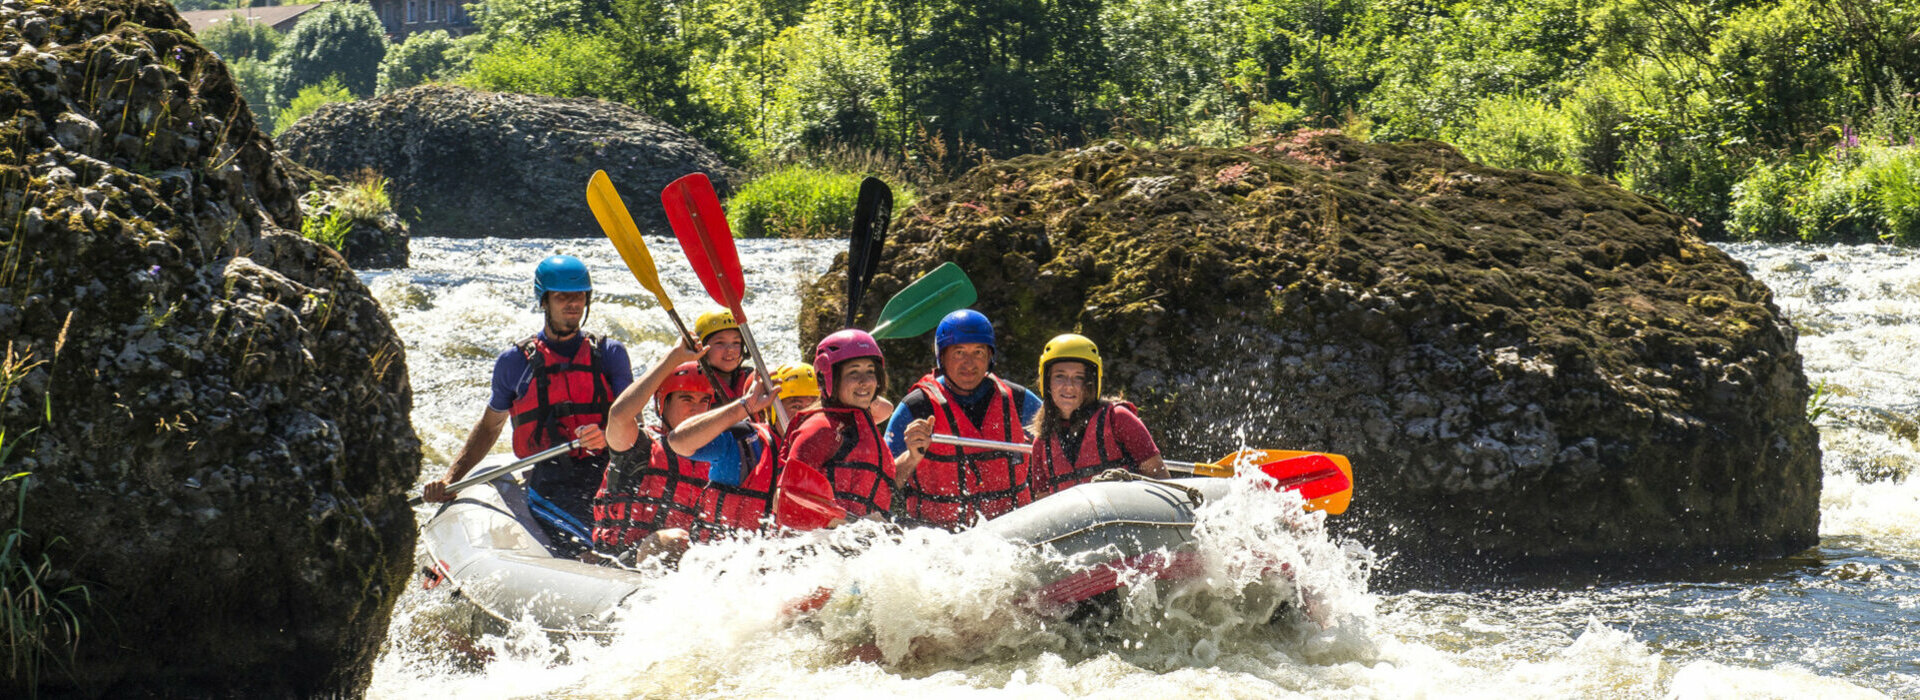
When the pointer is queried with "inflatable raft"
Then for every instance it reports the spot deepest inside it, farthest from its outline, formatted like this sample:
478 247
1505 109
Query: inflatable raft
482 548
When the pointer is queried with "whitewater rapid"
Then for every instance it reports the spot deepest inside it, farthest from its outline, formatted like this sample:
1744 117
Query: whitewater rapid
931 609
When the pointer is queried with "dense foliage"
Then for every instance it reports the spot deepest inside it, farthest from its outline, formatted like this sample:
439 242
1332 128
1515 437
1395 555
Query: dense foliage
341 40
237 38
1680 99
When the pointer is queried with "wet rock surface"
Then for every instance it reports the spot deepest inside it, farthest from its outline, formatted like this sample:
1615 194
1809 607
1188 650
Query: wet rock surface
1528 370
213 410
466 163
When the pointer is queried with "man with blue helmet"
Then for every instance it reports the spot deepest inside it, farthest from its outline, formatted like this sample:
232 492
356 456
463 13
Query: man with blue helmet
950 486
555 386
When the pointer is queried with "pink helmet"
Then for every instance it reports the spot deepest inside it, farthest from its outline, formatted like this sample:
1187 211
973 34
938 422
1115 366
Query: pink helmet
839 347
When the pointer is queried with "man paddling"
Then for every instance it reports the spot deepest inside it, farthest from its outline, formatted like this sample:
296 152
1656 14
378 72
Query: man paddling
953 487
556 386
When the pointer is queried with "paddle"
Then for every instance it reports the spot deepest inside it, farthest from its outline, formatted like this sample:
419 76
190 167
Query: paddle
701 225
1326 481
870 219
919 307
611 211
491 473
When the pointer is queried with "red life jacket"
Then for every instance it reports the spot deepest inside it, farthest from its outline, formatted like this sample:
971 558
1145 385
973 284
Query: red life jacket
861 467
735 388
953 486
1100 450
564 394
671 491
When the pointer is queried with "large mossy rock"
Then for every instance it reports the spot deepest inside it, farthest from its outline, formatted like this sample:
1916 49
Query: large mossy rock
213 410
467 164
1527 369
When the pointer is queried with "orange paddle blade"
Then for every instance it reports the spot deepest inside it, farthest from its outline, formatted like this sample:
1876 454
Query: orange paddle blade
1325 480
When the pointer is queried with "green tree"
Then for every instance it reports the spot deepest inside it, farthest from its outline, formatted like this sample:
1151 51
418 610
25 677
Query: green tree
310 100
423 57
237 38
255 83
341 39
1004 73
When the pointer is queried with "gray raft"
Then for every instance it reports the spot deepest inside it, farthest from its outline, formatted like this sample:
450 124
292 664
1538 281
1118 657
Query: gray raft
481 549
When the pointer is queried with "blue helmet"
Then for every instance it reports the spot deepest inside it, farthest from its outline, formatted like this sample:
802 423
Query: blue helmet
963 326
559 273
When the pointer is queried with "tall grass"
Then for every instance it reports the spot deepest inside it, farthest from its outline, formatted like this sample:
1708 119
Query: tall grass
39 620
802 201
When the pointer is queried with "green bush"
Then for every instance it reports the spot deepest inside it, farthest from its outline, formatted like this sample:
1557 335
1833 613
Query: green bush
256 86
1521 132
557 64
799 201
237 38
422 58
343 40
1765 199
1866 192
309 100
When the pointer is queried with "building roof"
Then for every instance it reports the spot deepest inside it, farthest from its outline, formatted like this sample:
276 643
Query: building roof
280 17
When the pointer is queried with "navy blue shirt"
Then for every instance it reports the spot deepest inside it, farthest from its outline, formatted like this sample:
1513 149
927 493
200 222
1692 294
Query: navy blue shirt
512 373
916 405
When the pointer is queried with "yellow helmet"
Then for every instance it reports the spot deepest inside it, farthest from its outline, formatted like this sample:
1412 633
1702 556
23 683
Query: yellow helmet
796 380
713 322
1070 346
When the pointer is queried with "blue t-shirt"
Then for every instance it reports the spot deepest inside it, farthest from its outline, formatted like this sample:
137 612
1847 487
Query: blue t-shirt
916 405
723 455
512 373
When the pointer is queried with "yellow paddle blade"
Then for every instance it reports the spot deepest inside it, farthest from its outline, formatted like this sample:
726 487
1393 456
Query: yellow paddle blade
611 211
1333 504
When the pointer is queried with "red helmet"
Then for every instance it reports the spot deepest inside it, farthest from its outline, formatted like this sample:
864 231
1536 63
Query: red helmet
687 377
839 347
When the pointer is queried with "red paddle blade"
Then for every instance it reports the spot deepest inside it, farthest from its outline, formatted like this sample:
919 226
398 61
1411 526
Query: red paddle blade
701 226
1325 482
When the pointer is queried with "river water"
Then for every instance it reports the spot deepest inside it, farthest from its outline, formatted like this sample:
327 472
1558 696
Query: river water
1839 620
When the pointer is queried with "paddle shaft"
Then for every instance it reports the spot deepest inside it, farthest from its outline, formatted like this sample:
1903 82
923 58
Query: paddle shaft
979 444
491 473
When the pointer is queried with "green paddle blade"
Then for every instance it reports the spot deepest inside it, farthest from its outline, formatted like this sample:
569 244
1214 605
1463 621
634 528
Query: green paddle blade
919 307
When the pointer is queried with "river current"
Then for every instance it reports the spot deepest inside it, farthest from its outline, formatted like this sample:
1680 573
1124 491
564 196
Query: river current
1839 620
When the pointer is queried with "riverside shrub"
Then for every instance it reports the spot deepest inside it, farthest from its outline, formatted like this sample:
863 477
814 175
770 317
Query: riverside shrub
801 202
1869 192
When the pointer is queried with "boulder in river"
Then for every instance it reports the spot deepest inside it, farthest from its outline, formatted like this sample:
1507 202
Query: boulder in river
466 163
1528 370
213 410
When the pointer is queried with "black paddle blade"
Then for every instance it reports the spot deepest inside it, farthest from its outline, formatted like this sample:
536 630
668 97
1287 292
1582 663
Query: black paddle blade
870 220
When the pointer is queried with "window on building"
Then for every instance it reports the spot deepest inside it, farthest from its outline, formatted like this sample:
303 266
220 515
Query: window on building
432 6
411 17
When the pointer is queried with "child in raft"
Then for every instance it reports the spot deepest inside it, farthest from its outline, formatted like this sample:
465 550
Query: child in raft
1078 434
836 465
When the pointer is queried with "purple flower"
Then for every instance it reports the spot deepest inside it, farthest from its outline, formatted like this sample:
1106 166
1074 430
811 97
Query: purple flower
154 271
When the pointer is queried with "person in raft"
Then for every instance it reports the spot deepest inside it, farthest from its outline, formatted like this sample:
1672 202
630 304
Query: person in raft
556 386
707 472
954 487
726 352
1080 434
835 465
799 387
